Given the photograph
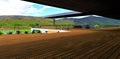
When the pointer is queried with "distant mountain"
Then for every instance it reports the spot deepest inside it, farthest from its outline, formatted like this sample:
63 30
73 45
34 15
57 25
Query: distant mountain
92 20
95 19
13 17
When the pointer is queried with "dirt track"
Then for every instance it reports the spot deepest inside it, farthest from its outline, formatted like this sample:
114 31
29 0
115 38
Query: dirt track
77 44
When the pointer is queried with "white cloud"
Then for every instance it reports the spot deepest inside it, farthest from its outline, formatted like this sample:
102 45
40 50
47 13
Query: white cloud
34 10
18 7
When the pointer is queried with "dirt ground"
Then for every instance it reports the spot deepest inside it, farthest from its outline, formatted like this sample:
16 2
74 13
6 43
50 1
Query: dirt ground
77 44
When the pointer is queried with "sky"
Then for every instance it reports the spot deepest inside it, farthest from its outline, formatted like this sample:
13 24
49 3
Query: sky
19 7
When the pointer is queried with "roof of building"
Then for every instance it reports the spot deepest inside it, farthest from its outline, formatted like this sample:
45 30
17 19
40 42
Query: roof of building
106 8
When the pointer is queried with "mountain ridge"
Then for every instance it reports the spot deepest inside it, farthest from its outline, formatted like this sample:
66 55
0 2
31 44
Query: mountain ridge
13 17
93 20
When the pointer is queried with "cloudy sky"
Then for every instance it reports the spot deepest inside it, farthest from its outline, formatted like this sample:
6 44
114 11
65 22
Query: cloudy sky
18 7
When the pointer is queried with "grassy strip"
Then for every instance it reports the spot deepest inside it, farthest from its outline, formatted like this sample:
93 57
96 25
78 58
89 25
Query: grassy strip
13 31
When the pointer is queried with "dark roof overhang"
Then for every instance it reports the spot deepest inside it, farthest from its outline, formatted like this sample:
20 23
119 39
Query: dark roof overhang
106 8
66 14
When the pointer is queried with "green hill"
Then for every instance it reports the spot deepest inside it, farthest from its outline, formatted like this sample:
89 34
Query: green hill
92 20
26 22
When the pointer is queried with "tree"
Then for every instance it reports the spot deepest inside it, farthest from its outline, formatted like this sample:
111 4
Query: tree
17 25
31 25
1 25
36 25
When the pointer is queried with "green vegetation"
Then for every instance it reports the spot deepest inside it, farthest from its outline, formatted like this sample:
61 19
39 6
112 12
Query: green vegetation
10 33
18 32
1 33
27 24
26 32
36 31
11 26
14 32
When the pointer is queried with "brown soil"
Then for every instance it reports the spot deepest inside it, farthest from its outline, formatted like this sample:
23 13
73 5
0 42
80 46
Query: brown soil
77 44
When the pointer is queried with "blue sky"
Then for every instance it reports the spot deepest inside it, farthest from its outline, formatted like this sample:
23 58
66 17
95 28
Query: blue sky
50 10
18 7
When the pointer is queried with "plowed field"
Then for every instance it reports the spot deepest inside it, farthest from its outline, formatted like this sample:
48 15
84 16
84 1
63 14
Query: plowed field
77 44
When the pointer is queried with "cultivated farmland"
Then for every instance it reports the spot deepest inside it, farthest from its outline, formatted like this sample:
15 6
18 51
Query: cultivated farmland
22 23
28 23
77 44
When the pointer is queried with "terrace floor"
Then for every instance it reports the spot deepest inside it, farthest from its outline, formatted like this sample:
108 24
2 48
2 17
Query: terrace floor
77 44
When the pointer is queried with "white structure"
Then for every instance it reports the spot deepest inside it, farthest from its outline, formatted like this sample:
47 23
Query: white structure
49 30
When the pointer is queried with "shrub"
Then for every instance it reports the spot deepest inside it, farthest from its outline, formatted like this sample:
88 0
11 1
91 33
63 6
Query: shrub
87 27
9 33
33 31
1 33
26 32
46 31
38 31
17 32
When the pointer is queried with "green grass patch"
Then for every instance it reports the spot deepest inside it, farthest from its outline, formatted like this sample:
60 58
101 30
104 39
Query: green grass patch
14 31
